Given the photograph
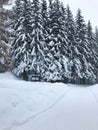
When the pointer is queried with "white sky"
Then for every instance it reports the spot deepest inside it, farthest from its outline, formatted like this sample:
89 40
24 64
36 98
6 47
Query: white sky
89 9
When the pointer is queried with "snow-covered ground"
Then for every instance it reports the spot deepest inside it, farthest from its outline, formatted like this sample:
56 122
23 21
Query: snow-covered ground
46 106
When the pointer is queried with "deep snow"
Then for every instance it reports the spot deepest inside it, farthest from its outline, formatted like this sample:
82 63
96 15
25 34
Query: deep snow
46 106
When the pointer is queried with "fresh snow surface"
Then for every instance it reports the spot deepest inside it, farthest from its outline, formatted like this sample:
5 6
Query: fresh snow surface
46 106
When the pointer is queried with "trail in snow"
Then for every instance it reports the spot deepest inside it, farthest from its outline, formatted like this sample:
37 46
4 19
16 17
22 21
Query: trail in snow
18 124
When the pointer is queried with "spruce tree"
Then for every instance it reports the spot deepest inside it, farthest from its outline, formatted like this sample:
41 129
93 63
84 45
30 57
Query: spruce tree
96 35
80 61
96 47
5 56
38 40
92 57
44 13
71 48
27 26
57 42
18 13
21 44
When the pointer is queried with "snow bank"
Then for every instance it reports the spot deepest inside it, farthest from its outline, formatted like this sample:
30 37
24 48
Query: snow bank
46 106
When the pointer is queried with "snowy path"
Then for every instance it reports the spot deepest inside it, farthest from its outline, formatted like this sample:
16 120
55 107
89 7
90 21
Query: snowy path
46 106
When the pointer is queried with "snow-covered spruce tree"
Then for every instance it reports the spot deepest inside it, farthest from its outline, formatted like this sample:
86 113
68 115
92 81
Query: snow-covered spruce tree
38 40
56 43
18 14
21 47
96 40
71 49
17 25
80 63
3 31
96 35
5 57
92 57
82 71
18 42
28 48
44 13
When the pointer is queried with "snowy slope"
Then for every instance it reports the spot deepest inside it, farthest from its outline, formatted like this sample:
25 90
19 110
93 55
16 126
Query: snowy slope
46 106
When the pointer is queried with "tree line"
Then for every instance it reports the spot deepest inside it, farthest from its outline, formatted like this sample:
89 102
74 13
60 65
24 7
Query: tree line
52 45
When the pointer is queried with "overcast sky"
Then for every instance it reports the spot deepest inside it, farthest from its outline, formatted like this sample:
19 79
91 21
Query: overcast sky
89 9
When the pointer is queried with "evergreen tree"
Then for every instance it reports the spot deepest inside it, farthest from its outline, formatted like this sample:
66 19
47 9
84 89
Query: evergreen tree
80 68
17 42
21 45
57 42
64 44
44 13
96 35
92 56
18 14
71 49
5 56
38 40
96 47
45 24
27 29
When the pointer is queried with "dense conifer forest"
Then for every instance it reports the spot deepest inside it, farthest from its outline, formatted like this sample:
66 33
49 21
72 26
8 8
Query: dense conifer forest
43 41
